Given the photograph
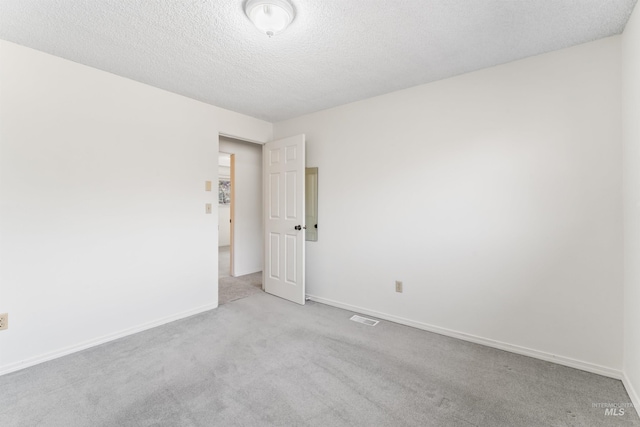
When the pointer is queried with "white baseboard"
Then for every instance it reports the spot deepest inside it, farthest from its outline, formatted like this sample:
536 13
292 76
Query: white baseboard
101 340
631 391
561 360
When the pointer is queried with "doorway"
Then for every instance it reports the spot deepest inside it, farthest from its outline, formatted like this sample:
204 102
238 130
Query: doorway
224 215
240 247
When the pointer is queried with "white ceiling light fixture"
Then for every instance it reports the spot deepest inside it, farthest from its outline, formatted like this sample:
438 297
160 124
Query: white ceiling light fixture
270 16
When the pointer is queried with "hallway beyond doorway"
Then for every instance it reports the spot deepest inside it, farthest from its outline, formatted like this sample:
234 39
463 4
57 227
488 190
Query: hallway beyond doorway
234 288
224 261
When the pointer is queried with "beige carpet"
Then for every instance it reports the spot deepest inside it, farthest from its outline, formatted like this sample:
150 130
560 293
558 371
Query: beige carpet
234 288
263 361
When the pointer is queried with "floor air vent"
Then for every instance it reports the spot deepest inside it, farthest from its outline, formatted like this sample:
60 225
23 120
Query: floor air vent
364 320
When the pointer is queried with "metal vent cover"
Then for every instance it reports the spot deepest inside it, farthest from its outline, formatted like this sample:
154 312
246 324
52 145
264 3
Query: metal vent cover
364 320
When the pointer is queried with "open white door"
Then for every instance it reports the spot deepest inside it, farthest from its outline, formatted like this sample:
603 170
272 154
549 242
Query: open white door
284 203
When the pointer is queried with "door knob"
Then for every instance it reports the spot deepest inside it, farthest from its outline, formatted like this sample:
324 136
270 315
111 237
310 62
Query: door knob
298 227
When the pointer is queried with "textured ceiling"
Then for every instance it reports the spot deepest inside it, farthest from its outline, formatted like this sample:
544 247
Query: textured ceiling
335 51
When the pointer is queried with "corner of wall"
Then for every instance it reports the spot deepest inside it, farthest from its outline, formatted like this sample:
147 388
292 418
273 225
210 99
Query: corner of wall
631 194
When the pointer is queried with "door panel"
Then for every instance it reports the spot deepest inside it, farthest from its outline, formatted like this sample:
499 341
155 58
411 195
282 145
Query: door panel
274 196
290 179
274 256
284 172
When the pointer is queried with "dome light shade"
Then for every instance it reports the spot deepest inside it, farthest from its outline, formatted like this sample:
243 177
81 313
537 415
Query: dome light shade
270 16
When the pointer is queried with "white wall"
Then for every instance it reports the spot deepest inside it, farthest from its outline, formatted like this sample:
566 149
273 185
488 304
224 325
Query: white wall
102 222
224 213
247 237
224 171
631 144
224 225
504 189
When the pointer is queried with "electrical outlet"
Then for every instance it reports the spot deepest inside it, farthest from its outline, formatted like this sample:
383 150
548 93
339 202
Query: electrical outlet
398 286
4 321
